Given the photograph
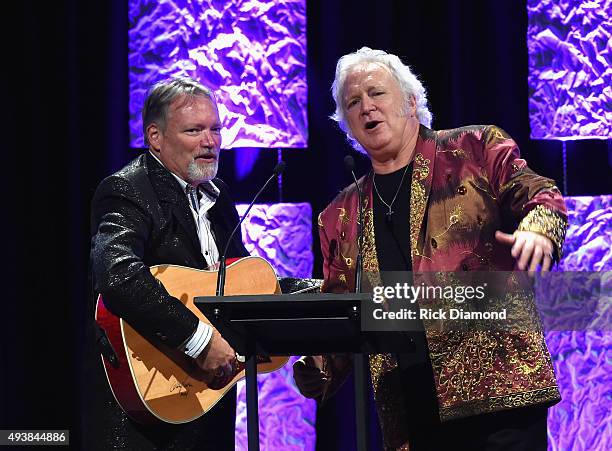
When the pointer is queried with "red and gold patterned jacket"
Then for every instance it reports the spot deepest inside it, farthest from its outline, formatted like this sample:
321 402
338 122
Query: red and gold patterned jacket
467 183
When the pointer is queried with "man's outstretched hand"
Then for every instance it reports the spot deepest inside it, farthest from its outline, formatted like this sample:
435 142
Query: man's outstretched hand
530 249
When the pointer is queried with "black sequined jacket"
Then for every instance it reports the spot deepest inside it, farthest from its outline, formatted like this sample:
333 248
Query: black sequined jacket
140 217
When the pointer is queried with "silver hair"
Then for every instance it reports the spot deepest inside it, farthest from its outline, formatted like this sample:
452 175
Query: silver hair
408 82
163 93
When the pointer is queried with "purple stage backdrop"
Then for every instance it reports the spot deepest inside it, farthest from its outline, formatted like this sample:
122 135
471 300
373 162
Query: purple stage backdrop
570 75
583 358
251 53
570 79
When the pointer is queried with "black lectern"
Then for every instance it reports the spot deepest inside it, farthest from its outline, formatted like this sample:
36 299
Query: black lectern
291 324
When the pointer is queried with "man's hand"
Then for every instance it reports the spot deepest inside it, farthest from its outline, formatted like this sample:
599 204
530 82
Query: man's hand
217 361
309 376
530 249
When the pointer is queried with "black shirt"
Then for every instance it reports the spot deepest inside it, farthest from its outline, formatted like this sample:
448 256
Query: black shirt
392 237
392 232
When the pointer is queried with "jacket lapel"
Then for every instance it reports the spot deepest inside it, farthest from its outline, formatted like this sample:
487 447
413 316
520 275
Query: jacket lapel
219 226
370 257
422 176
169 192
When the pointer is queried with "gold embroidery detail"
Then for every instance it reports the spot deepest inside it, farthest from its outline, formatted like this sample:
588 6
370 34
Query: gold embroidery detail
386 384
507 186
510 401
342 278
455 217
348 261
342 216
495 134
421 166
480 370
546 222
418 200
417 207
320 220
370 262
458 153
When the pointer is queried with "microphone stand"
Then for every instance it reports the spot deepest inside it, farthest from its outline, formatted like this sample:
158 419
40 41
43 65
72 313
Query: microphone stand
278 169
251 357
359 360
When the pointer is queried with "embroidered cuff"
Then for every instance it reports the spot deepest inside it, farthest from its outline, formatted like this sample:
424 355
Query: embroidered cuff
546 222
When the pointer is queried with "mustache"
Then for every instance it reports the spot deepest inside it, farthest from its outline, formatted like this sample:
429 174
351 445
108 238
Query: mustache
207 154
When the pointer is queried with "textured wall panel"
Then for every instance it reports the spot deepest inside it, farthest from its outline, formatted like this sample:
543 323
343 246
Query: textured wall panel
583 359
570 79
588 246
252 53
280 233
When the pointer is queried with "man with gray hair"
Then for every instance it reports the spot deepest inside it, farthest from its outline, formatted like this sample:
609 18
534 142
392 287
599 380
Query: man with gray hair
436 201
167 207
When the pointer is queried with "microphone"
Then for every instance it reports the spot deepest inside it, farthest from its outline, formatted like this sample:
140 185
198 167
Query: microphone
278 169
349 165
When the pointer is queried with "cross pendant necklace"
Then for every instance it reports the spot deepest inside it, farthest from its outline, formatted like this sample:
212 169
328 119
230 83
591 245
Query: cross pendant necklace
389 213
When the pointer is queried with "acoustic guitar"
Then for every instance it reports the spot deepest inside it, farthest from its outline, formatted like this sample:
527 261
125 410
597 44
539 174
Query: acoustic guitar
154 384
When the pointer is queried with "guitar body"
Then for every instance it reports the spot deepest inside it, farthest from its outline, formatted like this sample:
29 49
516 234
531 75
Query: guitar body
154 384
